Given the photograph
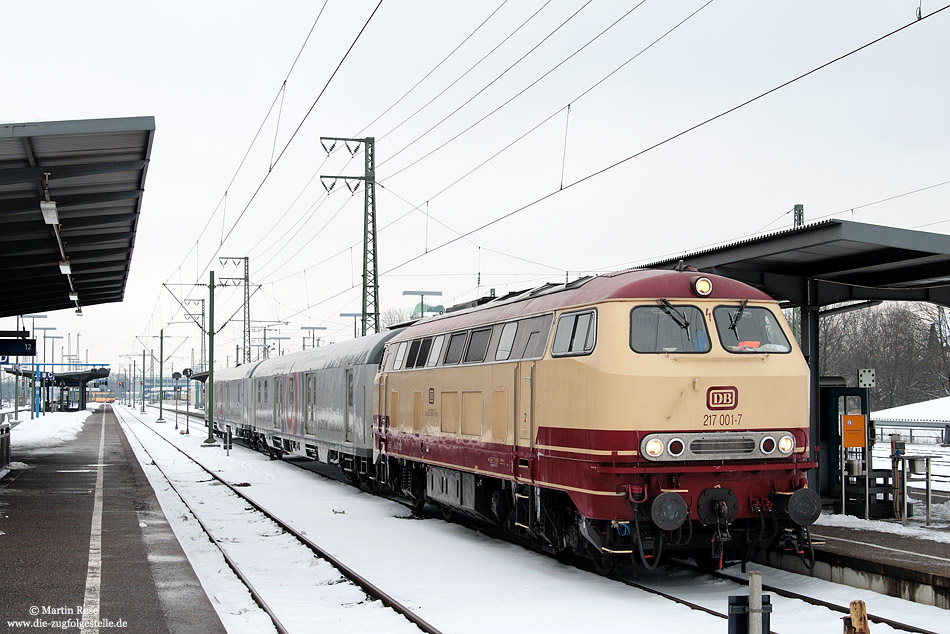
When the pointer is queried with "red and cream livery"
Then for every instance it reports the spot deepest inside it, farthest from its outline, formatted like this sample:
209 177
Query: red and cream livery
605 414
622 415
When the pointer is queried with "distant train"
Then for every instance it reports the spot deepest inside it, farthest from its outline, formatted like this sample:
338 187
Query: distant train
619 417
101 397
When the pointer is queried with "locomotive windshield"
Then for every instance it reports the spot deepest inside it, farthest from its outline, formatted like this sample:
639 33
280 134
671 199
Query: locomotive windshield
748 329
668 328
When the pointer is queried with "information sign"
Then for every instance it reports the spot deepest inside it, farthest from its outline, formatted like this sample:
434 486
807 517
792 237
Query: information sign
854 431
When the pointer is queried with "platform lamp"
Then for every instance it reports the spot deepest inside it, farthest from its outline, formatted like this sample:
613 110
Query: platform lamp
422 299
278 340
176 376
312 329
33 365
187 372
45 329
52 362
142 411
356 317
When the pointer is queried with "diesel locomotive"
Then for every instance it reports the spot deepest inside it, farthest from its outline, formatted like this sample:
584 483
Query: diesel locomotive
622 417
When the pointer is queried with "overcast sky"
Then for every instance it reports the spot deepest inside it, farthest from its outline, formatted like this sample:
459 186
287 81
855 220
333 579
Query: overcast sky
864 129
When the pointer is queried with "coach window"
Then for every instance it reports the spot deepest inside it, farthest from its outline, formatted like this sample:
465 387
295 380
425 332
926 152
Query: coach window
436 350
413 353
506 341
750 329
454 353
400 355
667 328
478 345
575 334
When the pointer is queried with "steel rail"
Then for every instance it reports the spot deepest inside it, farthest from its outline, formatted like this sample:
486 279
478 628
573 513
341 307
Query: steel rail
781 592
789 594
365 584
258 599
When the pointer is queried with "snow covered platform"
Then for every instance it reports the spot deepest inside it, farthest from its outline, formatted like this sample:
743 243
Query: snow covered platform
909 562
82 537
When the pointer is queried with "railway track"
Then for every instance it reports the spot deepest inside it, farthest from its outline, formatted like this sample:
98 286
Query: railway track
277 524
842 609
738 582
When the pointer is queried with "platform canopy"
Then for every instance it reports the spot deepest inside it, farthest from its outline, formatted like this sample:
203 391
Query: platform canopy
77 252
841 260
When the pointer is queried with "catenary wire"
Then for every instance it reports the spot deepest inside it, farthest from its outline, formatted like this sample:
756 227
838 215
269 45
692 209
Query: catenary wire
256 135
513 97
666 140
292 136
470 69
491 83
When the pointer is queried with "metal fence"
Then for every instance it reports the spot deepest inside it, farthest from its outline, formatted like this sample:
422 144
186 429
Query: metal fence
916 432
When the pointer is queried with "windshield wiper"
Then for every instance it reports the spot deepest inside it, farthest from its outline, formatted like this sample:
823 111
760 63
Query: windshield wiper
734 320
676 316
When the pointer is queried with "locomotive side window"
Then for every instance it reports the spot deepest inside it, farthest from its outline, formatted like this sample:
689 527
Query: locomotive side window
454 352
400 355
413 353
478 345
750 329
575 334
506 342
667 328
424 348
436 350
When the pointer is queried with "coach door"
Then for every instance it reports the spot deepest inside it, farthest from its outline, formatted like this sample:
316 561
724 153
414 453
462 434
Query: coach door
278 401
350 419
524 421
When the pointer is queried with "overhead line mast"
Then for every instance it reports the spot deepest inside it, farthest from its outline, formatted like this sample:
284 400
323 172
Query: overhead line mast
247 303
370 268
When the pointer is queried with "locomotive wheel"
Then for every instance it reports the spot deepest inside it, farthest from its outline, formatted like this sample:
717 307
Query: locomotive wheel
605 565
706 562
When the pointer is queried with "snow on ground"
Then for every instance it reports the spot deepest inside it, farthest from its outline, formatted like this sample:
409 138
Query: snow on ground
49 430
940 515
456 579
462 581
281 569
877 604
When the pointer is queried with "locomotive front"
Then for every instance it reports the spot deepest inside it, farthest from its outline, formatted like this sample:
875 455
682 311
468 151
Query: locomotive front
694 396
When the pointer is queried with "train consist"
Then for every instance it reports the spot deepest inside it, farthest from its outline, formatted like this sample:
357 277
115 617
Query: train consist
624 416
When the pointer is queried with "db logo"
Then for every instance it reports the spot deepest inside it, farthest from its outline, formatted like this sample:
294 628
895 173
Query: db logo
722 397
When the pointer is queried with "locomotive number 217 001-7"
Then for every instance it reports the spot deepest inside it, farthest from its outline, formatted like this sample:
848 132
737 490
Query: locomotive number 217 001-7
722 420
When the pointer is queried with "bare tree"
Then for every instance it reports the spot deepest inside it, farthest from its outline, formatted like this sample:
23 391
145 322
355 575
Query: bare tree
392 316
898 340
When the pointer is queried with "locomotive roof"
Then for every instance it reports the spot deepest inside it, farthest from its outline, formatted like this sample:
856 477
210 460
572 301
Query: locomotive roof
365 350
632 284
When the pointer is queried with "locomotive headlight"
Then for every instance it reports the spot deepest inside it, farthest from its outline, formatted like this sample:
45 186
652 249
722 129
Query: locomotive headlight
786 444
653 448
703 286
676 447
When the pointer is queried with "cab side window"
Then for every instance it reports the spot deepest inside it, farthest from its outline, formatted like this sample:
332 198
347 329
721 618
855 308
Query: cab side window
575 334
